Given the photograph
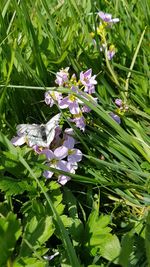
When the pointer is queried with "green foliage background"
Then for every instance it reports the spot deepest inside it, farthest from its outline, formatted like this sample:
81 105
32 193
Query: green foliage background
100 218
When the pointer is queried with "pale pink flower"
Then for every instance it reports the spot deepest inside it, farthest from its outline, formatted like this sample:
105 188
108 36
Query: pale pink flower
88 81
52 97
79 121
118 102
110 54
70 102
62 76
115 117
63 179
73 155
56 161
106 17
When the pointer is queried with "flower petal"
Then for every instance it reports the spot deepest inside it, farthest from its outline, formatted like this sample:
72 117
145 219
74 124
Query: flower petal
75 156
62 165
80 122
48 174
61 152
115 117
64 103
118 102
63 179
18 140
62 76
69 143
49 154
74 107
105 16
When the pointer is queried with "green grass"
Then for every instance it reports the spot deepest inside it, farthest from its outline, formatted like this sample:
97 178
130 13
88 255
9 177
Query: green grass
101 217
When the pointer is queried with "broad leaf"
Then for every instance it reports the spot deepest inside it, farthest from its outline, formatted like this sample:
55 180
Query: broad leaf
126 249
9 233
37 232
29 262
110 249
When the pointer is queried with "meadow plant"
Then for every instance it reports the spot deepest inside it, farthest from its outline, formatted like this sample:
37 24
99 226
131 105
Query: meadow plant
60 152
72 102
102 31
107 18
101 218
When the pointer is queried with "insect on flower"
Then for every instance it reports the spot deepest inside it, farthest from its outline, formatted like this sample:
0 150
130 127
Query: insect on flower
34 134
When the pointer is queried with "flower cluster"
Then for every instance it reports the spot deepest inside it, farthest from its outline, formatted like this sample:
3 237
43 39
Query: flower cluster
121 106
65 157
106 22
83 87
60 153
119 111
49 139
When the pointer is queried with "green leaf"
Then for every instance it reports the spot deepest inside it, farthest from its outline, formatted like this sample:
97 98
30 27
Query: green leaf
29 262
96 222
37 232
13 187
76 230
75 227
96 231
71 204
126 249
9 233
110 249
98 238
56 197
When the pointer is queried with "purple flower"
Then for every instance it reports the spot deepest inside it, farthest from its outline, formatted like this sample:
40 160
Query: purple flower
85 109
68 132
51 97
115 117
79 121
73 155
62 76
88 81
70 102
90 99
63 179
75 89
90 90
111 53
118 102
55 161
37 149
106 17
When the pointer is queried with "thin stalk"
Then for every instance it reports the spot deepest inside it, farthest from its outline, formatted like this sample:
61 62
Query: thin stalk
133 62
